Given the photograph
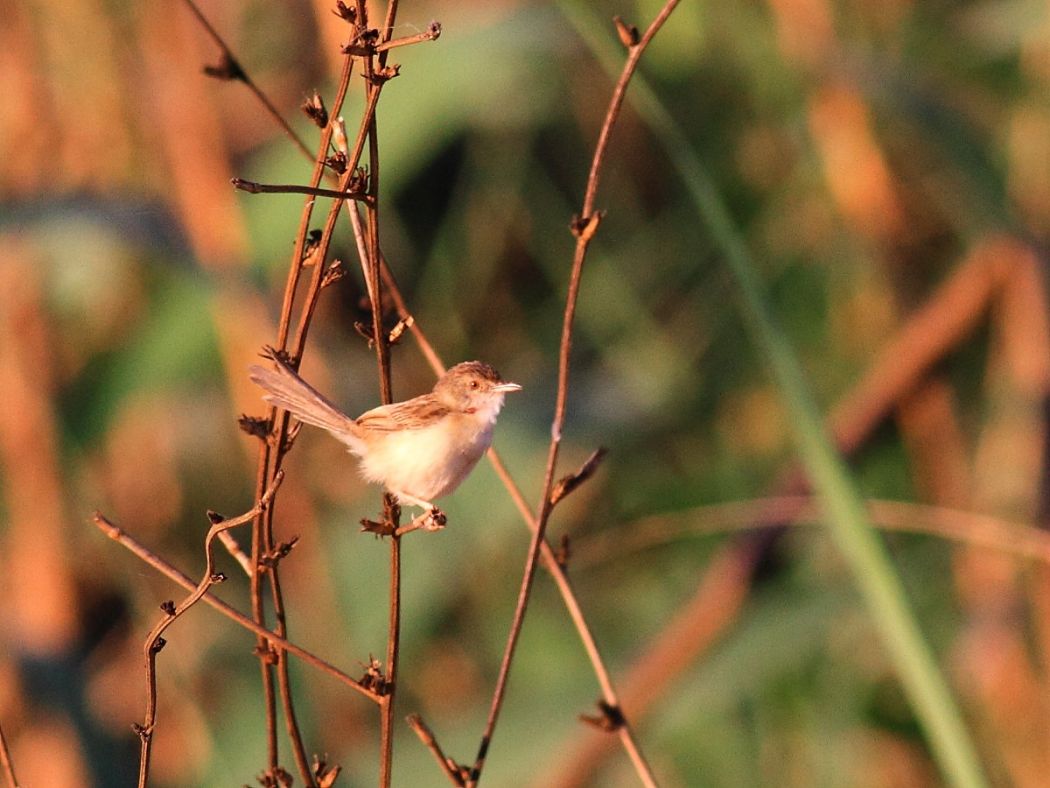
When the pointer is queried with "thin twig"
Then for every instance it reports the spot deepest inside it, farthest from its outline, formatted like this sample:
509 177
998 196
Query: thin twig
386 709
236 552
120 536
451 769
432 520
585 227
930 333
262 528
251 187
256 581
568 484
550 561
303 232
262 541
6 763
362 247
238 73
325 241
154 642
431 33
561 579
270 460
994 533
380 342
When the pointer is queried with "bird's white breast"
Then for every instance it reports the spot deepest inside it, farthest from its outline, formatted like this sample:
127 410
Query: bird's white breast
431 462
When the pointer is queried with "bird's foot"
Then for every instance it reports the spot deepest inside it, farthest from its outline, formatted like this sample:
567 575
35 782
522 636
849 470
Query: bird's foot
432 520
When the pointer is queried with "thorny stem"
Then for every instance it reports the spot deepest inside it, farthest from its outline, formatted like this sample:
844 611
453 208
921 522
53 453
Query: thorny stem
585 227
154 642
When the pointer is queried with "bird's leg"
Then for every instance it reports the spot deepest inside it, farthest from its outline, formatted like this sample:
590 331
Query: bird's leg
412 500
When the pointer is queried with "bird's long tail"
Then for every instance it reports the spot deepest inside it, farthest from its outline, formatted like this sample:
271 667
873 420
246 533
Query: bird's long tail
285 389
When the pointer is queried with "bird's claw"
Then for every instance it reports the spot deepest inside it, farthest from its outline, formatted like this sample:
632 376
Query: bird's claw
434 520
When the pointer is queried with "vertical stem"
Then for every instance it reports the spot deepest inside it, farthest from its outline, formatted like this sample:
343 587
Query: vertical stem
259 613
585 228
379 339
392 647
538 536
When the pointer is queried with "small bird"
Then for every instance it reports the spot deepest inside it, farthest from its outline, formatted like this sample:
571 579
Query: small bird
420 449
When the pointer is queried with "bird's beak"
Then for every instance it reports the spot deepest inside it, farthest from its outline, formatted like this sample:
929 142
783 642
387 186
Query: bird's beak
506 387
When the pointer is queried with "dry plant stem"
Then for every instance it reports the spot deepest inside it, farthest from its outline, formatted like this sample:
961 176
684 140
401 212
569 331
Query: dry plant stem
386 708
154 643
251 187
262 540
424 521
550 561
283 681
448 766
427 35
242 76
118 535
362 249
849 421
255 592
431 355
262 528
6 763
973 528
930 333
238 554
270 459
379 341
388 32
434 360
296 266
586 226
306 315
325 242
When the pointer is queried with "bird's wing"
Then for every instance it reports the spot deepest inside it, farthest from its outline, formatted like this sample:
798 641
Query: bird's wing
411 414
285 389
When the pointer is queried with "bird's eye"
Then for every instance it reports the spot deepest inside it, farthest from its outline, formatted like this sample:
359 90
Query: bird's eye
473 384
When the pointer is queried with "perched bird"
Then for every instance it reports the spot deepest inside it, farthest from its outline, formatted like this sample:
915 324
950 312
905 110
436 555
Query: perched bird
420 449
